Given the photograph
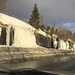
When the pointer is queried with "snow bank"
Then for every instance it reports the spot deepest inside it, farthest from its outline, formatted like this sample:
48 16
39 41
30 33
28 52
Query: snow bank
5 19
23 32
41 32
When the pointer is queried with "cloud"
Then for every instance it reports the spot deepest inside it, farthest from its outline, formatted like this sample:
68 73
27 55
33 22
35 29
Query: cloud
54 11
70 26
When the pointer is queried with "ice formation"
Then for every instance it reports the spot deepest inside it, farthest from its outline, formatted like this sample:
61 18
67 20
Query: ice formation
23 32
14 32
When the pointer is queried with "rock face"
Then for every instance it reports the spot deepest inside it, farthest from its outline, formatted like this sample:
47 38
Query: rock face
43 41
54 41
71 43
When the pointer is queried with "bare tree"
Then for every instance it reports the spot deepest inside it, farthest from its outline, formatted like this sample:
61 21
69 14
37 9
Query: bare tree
64 33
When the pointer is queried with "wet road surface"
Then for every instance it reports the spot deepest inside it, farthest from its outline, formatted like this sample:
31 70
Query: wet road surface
59 64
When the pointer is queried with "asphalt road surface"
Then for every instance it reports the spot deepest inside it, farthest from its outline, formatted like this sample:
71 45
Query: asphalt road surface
62 65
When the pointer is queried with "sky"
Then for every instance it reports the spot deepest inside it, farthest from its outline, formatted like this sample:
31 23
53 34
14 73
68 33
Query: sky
61 12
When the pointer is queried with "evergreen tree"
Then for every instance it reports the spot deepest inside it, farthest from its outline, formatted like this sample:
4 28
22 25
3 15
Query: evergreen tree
42 27
52 30
48 30
56 32
35 18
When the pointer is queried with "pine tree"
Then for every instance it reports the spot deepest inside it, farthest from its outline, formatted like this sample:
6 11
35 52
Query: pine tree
48 30
52 30
35 18
42 27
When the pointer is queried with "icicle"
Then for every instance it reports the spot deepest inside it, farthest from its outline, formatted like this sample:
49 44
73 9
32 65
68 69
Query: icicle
0 30
8 36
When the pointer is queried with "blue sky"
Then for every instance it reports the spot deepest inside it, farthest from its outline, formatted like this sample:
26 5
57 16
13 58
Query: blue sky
70 26
61 12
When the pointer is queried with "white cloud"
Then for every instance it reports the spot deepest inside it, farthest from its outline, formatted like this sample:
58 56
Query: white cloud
70 26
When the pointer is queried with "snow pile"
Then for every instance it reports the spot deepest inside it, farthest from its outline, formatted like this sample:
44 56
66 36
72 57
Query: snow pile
5 19
41 32
23 32
54 36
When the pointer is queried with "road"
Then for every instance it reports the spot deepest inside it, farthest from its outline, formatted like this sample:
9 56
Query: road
59 64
